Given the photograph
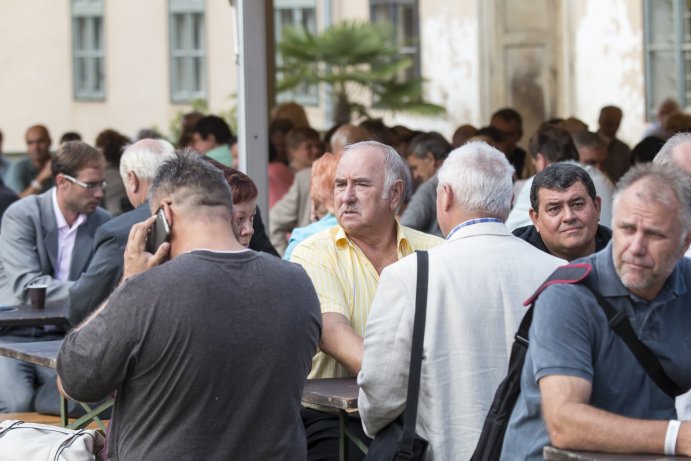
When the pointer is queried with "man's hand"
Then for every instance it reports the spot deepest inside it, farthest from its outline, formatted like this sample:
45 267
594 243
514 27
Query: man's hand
137 259
45 173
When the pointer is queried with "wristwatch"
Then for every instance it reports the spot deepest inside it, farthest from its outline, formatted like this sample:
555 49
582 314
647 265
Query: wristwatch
35 184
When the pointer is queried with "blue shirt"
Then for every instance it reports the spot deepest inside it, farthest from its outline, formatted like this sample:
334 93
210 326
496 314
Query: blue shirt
301 233
570 336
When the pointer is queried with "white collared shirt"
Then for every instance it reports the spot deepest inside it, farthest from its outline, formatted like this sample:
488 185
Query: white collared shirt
67 236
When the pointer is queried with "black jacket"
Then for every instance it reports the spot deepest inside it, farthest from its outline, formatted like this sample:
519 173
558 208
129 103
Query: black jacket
532 236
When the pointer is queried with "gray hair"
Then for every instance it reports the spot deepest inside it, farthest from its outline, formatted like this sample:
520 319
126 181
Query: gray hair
144 157
194 183
664 157
394 166
480 177
668 179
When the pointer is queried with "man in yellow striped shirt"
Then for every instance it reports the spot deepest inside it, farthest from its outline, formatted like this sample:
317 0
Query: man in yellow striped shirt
344 262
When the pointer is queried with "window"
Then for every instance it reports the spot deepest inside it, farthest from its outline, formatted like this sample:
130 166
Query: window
403 17
667 29
296 13
87 50
187 50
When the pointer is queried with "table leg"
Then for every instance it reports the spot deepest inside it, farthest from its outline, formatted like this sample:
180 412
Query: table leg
342 439
64 418
91 414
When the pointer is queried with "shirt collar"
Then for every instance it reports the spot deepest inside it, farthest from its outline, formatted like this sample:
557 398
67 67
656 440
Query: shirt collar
470 222
60 218
403 247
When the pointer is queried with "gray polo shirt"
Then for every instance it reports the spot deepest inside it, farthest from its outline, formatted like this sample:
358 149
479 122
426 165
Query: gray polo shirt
570 336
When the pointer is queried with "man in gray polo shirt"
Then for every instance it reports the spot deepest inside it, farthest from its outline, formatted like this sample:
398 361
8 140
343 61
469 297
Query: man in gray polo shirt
581 387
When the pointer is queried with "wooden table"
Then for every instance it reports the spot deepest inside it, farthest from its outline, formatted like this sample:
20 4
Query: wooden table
555 454
335 396
45 353
25 315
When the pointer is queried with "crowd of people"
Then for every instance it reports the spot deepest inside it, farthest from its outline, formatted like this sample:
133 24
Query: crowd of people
221 325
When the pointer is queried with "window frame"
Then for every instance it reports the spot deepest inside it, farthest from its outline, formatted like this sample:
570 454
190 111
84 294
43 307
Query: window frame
408 49
188 54
681 13
88 54
307 95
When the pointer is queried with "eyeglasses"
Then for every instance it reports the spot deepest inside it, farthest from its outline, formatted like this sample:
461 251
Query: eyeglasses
86 185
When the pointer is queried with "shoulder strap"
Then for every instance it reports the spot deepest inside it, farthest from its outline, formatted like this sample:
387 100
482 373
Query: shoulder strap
569 273
619 322
416 352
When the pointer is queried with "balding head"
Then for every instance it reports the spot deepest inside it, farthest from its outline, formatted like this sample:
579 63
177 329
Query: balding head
676 152
38 144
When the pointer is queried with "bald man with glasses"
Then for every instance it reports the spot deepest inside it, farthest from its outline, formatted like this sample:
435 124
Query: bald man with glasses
47 239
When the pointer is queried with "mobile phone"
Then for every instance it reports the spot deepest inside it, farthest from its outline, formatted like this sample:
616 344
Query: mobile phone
159 232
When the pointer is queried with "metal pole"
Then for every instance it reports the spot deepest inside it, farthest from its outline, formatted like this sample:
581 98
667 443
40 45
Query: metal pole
252 96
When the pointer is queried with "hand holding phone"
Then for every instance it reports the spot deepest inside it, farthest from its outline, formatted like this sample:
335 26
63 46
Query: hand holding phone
159 232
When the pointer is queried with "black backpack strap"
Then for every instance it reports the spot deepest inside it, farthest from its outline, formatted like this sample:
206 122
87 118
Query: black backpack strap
410 416
619 322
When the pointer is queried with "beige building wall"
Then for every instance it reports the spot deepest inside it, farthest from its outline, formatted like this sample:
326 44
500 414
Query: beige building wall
607 62
37 69
600 55
450 62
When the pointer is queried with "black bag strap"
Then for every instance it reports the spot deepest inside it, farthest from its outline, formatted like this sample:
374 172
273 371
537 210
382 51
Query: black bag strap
619 322
410 416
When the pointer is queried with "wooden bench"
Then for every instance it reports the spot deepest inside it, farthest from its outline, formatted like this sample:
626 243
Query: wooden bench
42 419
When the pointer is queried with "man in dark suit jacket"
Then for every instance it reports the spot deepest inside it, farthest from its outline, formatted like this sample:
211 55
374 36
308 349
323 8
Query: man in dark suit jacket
138 166
7 198
47 239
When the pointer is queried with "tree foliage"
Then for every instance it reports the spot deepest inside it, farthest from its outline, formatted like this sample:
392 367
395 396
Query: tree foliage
351 57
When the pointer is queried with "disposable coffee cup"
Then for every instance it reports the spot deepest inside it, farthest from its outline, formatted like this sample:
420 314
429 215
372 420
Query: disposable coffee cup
37 295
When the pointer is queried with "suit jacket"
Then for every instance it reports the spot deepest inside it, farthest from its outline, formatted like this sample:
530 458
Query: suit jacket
7 198
29 249
105 270
478 281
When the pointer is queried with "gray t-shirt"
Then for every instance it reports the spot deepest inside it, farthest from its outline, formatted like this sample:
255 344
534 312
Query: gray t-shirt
570 336
208 353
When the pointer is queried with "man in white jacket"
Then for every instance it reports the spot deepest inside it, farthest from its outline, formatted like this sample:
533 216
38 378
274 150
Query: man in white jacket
478 281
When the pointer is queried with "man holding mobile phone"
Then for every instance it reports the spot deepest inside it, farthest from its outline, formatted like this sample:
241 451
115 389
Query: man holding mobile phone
158 339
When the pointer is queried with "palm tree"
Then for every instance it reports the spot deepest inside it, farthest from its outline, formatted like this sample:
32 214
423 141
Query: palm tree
350 57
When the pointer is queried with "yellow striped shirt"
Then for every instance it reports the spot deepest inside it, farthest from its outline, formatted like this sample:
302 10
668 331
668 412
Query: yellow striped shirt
345 280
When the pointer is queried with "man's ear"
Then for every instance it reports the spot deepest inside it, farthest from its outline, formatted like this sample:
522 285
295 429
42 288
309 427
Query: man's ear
687 243
60 181
447 197
540 162
598 206
396 195
168 211
133 182
533 217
